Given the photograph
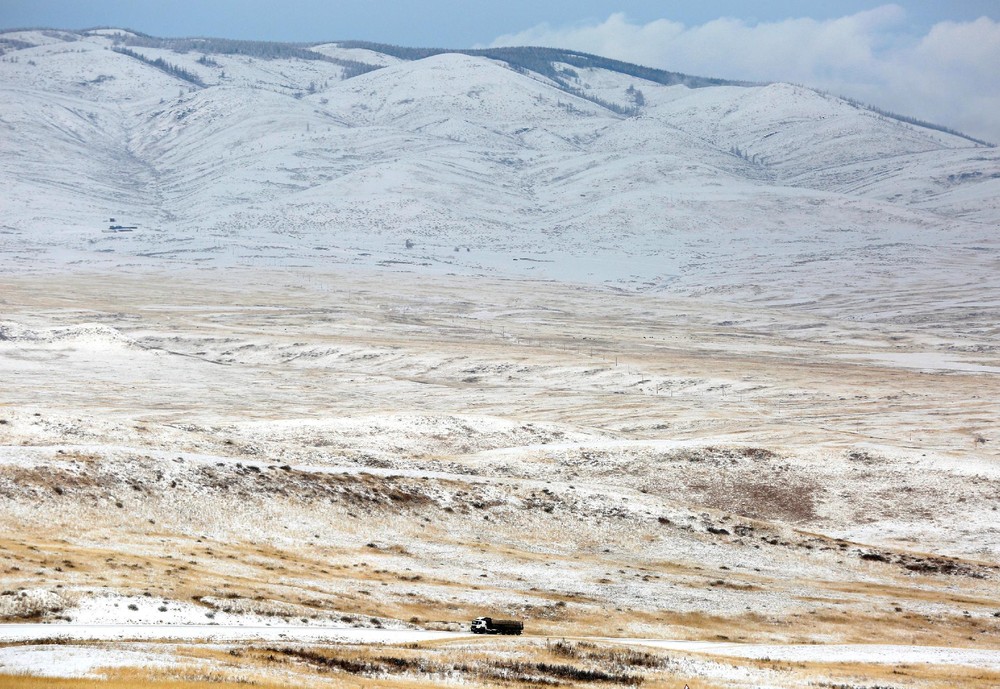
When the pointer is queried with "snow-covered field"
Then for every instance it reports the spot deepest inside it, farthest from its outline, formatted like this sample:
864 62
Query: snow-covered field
246 631
305 455
719 376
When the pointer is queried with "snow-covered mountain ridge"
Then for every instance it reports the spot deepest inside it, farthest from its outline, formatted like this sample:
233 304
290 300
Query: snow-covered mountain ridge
516 164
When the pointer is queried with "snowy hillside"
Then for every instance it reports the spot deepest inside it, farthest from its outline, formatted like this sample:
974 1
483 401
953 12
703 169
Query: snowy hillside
278 398
228 153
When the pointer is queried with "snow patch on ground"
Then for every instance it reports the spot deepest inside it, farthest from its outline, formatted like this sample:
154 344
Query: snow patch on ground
84 335
218 632
115 609
836 653
48 660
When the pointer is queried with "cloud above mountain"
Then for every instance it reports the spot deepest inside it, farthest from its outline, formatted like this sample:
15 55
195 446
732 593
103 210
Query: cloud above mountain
947 74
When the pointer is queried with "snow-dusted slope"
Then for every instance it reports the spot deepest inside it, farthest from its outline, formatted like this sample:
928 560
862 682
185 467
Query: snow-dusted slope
226 157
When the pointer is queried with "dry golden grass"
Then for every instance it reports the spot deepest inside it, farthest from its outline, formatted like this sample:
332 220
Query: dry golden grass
490 661
478 662
24 682
494 662
321 580
318 581
850 626
912 675
929 590
138 557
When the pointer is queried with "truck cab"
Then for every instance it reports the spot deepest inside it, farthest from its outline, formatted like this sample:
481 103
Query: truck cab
481 625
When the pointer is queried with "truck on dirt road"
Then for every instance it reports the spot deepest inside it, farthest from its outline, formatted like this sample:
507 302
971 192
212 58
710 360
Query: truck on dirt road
489 625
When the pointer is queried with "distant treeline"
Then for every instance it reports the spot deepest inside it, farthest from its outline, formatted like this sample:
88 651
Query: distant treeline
163 65
916 122
262 50
542 61
906 119
265 50
13 44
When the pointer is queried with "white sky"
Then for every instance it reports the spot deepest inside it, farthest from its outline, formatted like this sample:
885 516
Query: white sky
947 73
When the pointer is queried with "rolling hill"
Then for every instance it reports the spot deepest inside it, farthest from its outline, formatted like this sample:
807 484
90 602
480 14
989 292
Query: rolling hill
520 162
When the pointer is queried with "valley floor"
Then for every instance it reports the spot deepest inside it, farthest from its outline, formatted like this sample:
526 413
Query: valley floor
392 455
